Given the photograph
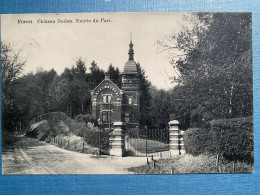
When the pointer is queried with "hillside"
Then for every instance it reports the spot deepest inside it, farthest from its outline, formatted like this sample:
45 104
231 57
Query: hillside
59 129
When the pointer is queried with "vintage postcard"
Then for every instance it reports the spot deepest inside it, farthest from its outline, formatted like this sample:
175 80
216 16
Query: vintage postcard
127 93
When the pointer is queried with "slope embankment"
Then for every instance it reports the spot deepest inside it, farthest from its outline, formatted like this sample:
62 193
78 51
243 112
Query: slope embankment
59 129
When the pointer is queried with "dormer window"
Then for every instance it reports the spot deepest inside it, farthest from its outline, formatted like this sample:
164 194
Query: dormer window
106 99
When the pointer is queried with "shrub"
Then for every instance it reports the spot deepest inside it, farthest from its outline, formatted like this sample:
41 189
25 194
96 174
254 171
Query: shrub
91 136
59 124
85 118
196 141
233 138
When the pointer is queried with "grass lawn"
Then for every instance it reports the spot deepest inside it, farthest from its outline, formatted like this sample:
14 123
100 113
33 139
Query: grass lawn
152 145
192 164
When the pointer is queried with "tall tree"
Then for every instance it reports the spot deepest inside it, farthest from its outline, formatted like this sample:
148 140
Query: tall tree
11 68
160 112
114 74
59 92
96 75
215 76
145 98
32 94
77 99
11 65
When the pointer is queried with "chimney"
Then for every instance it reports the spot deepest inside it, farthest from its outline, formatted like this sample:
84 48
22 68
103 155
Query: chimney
107 76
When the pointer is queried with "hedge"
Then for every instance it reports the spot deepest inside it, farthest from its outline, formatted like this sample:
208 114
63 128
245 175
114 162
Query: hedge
195 141
232 138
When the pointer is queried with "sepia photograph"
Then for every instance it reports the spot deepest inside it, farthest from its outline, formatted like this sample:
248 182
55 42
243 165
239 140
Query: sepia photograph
127 93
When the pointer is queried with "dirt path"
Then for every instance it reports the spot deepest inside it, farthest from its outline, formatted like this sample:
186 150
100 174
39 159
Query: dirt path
30 156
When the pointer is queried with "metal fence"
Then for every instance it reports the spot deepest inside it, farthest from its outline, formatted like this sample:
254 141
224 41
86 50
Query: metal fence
146 142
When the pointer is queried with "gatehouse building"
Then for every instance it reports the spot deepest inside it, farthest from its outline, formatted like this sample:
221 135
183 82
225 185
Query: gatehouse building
111 103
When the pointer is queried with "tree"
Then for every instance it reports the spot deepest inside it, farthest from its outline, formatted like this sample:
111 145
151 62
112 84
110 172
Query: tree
114 74
215 72
32 95
83 90
11 68
44 80
11 65
160 109
96 75
59 92
145 98
77 99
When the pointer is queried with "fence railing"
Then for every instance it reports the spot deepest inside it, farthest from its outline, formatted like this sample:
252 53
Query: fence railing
143 142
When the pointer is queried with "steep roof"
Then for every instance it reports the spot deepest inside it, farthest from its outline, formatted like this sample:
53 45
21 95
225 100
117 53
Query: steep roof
130 67
108 81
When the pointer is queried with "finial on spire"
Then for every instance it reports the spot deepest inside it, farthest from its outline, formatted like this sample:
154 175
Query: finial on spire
131 50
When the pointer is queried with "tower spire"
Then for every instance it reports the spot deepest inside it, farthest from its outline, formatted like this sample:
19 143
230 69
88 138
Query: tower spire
131 50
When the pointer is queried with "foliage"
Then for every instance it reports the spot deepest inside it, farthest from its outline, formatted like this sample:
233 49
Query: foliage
214 68
85 118
96 75
232 138
196 141
11 67
59 125
160 109
114 75
74 143
188 164
32 95
77 89
145 98
91 136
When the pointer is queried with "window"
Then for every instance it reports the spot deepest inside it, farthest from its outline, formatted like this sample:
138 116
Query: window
106 99
130 100
105 116
126 117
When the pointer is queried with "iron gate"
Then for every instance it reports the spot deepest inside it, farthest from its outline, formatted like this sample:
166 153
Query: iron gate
146 142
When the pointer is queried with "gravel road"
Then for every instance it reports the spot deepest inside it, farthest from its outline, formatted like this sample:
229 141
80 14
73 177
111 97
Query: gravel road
33 157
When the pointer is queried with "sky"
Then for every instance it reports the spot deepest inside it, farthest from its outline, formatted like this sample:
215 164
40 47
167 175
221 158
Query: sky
59 45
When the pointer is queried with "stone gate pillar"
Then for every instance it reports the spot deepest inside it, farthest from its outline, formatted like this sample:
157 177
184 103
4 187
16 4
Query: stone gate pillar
117 140
175 138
